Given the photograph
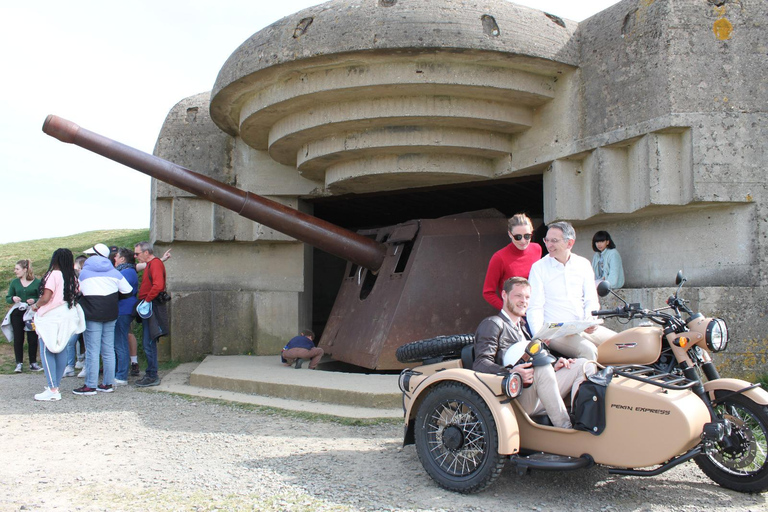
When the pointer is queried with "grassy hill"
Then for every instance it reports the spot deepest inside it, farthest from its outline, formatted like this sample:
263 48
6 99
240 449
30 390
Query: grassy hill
40 251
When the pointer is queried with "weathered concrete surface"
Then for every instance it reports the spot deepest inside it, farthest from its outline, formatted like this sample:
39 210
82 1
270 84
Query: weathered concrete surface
647 120
266 376
261 381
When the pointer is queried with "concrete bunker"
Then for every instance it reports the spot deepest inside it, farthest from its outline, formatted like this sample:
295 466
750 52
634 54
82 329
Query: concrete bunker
644 120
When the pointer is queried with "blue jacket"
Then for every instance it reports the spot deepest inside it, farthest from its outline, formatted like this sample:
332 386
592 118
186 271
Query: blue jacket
298 342
610 268
125 306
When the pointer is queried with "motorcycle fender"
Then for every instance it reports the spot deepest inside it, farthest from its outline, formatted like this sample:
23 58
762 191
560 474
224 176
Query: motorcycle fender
757 395
489 388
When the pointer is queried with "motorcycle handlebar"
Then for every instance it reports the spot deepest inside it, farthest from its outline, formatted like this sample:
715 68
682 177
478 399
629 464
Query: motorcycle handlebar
604 312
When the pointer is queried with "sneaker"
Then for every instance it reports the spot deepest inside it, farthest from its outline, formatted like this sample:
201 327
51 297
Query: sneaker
35 367
135 370
148 381
69 372
105 389
81 374
120 382
85 390
80 364
18 368
48 396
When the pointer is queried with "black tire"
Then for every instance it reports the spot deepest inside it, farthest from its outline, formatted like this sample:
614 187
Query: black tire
440 346
456 439
743 467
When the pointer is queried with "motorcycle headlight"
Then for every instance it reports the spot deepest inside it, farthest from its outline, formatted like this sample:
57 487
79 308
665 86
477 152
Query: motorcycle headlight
717 335
512 385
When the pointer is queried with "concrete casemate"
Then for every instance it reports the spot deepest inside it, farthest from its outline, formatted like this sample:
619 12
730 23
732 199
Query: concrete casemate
647 120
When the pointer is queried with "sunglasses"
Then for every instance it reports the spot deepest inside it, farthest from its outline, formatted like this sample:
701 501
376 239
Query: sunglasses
527 236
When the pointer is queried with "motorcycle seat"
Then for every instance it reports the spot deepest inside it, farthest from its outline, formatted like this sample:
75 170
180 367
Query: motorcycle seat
468 356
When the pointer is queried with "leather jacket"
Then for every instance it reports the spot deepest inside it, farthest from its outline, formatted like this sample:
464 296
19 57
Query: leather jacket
493 336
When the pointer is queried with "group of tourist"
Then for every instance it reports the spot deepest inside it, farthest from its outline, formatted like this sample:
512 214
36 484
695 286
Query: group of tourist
94 298
531 292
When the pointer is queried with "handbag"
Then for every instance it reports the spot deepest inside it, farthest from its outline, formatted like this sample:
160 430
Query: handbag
589 406
163 297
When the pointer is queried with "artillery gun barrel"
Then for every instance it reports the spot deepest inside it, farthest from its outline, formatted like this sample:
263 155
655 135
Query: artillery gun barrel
328 237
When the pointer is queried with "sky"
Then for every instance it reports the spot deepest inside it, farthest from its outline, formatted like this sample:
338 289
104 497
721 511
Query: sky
116 68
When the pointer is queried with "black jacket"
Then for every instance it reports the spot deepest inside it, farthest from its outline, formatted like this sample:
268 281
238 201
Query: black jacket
493 336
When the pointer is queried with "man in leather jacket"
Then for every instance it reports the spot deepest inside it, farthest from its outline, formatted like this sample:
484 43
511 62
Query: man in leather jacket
545 386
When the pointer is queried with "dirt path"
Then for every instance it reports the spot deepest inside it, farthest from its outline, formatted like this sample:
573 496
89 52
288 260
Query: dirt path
139 450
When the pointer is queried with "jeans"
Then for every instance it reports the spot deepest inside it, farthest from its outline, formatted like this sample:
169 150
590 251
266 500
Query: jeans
150 349
122 328
99 340
54 364
70 350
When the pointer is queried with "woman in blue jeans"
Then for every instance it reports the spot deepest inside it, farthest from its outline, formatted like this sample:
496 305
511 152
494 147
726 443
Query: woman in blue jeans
100 285
53 316
126 264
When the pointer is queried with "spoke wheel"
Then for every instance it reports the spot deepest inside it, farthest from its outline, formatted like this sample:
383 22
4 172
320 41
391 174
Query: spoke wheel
456 439
741 461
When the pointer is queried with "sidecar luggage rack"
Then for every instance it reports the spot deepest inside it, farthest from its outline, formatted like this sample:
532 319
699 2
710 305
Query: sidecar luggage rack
654 376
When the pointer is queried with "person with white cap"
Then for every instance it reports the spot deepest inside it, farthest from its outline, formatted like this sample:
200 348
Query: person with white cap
101 285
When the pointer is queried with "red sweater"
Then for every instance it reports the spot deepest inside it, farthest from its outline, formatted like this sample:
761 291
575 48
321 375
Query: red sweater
153 281
508 262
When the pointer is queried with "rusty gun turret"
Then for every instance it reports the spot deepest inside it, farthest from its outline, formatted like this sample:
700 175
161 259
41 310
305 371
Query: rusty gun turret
402 283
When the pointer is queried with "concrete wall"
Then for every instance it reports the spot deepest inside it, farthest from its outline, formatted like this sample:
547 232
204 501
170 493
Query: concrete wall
673 160
238 287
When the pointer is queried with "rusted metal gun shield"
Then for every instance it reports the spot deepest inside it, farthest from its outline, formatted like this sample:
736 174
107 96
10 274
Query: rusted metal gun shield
438 291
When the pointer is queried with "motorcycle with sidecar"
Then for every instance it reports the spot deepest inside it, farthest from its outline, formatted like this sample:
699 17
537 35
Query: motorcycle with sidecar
664 405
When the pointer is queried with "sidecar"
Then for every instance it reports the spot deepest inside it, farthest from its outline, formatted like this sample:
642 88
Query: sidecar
467 425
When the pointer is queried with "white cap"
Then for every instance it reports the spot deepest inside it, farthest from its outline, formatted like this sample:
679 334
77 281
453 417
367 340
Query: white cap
100 249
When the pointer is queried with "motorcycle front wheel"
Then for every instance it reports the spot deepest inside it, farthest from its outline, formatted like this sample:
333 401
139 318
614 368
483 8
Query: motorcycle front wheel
741 462
456 439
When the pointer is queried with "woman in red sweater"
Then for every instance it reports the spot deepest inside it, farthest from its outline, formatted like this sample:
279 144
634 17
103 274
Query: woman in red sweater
514 260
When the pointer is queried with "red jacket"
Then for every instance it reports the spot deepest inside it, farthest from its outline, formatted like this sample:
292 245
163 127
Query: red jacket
508 262
153 281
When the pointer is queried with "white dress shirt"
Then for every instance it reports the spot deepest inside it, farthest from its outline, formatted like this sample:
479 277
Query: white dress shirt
561 293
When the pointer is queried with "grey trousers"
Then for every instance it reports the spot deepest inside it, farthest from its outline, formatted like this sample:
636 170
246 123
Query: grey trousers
550 387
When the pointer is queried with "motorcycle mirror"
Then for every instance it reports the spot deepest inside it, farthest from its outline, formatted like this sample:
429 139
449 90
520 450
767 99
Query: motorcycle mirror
604 288
680 279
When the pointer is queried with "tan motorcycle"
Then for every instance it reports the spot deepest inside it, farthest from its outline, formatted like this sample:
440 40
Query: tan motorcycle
634 417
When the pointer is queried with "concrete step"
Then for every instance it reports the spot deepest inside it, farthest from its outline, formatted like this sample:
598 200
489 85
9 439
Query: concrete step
262 380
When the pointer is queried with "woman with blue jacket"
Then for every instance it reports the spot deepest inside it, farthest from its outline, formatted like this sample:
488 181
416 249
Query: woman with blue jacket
607 261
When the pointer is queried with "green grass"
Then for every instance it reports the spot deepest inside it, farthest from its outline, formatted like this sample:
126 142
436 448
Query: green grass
39 252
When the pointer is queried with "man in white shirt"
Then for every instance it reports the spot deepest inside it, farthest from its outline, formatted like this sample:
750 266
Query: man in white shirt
563 290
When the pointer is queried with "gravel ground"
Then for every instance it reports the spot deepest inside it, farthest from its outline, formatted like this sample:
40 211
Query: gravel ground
141 450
